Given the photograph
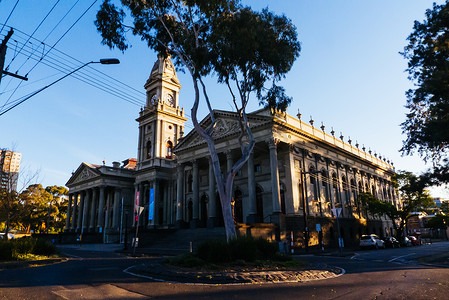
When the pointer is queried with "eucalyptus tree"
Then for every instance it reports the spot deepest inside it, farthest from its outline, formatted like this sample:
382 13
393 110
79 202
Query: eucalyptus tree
428 102
248 51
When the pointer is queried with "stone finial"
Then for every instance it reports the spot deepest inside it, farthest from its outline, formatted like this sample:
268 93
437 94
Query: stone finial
311 121
299 115
357 144
349 141
341 136
322 126
363 148
332 132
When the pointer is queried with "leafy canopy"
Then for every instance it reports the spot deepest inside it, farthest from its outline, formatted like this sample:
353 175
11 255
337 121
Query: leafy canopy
428 103
211 37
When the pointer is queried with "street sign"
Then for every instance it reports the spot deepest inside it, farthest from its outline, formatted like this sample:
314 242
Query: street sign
318 227
336 211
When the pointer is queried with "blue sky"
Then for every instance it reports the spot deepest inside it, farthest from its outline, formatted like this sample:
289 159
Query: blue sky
350 76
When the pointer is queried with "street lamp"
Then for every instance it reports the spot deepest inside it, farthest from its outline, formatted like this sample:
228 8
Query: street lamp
103 61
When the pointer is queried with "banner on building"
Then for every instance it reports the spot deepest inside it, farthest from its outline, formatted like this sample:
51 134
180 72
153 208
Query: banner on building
136 207
151 205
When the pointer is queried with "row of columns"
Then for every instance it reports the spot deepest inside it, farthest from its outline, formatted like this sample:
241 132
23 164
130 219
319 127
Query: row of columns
93 210
212 209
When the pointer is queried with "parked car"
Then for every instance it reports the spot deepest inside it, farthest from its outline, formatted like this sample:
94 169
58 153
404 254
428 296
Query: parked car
391 242
414 240
10 236
371 241
407 242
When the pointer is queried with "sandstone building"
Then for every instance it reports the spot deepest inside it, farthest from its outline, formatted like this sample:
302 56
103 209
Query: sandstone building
296 175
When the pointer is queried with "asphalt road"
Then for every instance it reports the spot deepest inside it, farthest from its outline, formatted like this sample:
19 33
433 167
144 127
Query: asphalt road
371 274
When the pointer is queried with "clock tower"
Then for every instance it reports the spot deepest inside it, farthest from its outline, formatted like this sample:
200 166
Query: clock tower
161 121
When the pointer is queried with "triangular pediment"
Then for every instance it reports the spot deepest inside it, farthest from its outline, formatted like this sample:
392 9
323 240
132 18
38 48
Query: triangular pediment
84 172
227 124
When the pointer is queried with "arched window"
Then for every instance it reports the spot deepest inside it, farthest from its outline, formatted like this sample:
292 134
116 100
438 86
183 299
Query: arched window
335 188
190 183
169 150
282 196
313 184
148 150
345 190
259 203
325 183
353 190
238 207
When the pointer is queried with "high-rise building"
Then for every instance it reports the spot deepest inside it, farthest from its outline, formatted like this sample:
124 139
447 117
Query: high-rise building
9 169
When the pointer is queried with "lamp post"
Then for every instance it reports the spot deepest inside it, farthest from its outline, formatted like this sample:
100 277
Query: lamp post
103 61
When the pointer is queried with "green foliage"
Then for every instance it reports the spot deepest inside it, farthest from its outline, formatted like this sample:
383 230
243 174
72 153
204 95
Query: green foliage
428 104
187 260
414 198
438 222
15 249
6 250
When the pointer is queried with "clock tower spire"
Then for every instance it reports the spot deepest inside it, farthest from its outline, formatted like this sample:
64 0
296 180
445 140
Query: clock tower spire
161 121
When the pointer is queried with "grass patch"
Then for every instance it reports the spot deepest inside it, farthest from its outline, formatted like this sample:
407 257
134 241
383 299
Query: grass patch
26 249
241 253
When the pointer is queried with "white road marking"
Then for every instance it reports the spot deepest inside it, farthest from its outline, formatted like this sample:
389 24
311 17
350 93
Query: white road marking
399 257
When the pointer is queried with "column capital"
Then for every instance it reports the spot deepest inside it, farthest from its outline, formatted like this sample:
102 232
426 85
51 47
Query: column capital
228 154
273 142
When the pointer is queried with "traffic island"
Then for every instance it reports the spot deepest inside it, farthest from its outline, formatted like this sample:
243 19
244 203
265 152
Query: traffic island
234 275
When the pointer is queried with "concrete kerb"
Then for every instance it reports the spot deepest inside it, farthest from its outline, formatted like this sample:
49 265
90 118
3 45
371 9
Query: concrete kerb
157 272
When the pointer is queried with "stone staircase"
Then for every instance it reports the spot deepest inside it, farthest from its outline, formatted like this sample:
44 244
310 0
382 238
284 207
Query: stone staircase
174 242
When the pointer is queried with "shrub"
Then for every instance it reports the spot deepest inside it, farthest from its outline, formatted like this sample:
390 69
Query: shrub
24 245
244 248
186 260
44 247
215 251
6 250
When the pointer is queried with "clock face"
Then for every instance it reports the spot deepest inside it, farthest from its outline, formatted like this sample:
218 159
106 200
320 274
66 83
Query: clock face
169 100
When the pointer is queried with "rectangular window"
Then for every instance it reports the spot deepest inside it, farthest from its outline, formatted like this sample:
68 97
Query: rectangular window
257 168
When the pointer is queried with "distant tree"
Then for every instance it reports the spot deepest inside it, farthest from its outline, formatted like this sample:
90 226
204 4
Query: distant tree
10 205
427 121
438 222
445 207
35 203
57 207
413 195
247 50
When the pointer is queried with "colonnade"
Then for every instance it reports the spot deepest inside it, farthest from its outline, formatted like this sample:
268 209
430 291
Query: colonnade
251 216
94 209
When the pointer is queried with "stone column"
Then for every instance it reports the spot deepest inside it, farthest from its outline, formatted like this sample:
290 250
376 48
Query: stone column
252 211
92 210
165 204
100 218
86 209
212 213
116 215
80 211
75 202
229 161
156 202
196 193
179 194
272 145
107 223
69 210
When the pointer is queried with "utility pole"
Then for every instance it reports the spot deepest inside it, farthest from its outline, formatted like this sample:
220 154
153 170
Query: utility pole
3 48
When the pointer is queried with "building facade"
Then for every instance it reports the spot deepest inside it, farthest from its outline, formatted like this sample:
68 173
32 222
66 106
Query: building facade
9 169
295 177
